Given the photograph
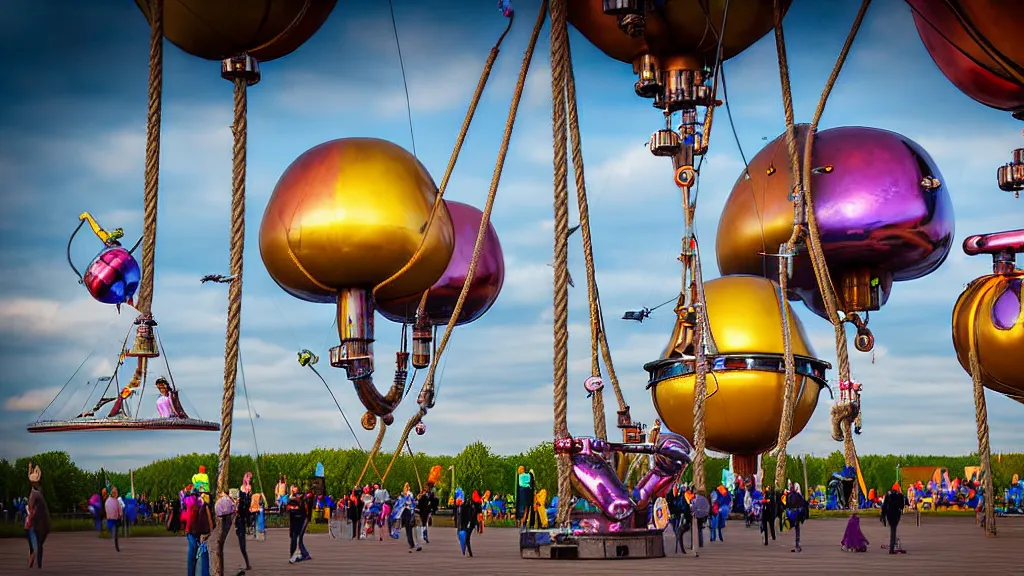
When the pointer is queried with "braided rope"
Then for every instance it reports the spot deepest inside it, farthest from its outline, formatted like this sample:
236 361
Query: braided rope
485 74
984 448
234 319
700 391
850 454
597 398
373 454
152 173
559 72
804 211
152 170
240 129
485 219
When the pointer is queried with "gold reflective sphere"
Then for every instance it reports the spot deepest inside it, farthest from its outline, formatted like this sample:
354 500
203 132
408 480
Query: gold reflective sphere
350 213
681 28
743 407
990 316
219 29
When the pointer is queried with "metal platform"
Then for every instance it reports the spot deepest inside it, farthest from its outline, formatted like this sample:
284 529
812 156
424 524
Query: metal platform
556 545
92 424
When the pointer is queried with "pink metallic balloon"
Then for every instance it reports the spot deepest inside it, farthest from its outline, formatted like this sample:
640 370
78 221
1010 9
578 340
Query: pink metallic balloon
487 280
959 52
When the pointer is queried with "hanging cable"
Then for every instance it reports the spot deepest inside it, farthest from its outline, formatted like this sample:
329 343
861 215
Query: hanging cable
405 81
77 370
485 74
252 421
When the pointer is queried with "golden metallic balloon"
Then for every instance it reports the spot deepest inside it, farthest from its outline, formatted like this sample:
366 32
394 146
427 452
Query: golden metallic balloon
743 405
219 29
350 213
989 315
683 29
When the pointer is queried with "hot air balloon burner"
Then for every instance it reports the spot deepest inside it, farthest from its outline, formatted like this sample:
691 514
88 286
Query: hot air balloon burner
683 89
422 336
145 341
665 143
860 291
648 71
401 368
241 67
1011 176
355 327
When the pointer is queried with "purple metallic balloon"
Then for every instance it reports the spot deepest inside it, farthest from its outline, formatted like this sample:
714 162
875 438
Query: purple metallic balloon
880 203
487 279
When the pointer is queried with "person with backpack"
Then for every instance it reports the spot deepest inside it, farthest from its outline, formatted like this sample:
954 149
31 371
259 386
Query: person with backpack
769 511
200 523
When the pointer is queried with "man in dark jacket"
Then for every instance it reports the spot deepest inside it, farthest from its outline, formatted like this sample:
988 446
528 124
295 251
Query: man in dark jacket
892 510
426 505
769 511
797 507
465 522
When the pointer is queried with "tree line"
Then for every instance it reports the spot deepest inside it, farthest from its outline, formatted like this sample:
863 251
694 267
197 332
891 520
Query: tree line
68 487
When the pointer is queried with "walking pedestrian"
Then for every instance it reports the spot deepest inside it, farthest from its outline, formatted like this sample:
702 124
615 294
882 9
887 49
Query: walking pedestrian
892 510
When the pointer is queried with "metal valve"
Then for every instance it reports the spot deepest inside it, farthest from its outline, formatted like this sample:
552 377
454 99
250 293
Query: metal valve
1011 176
648 84
242 67
665 142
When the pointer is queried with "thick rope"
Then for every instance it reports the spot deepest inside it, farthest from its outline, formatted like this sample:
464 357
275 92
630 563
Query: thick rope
804 211
427 389
700 391
152 174
559 72
850 454
597 398
485 74
415 469
460 140
984 448
373 454
234 320
152 171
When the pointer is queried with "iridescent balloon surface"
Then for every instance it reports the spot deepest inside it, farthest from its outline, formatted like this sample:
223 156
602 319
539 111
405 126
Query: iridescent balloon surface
350 213
743 408
986 62
219 29
487 278
113 276
990 316
680 28
876 218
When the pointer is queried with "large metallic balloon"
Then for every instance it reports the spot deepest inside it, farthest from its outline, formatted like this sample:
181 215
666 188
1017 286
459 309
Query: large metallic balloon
745 386
883 214
685 29
113 276
350 213
989 315
976 44
487 279
219 29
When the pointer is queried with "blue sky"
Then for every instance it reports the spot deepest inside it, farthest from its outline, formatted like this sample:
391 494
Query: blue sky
72 123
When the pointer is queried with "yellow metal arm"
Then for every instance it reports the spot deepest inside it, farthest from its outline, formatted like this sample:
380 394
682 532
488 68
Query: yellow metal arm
103 235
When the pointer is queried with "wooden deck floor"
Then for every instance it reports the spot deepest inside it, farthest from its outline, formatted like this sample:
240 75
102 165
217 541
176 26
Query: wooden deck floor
938 546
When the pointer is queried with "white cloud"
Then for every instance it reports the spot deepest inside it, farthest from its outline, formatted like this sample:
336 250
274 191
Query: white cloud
32 400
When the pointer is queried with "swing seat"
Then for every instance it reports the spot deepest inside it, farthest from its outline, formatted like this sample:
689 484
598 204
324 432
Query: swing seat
92 424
